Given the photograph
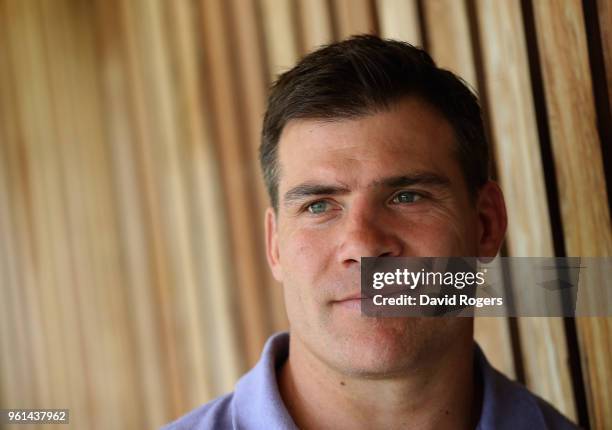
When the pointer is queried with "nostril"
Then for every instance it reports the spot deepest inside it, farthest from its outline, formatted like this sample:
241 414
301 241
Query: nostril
386 254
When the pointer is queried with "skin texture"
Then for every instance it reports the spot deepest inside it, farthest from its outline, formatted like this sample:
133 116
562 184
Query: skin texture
385 184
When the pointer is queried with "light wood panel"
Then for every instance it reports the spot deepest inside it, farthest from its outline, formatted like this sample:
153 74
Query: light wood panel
164 151
253 84
83 170
450 46
214 292
316 24
147 136
449 37
517 152
119 110
16 252
582 189
281 36
131 251
399 19
43 179
353 17
237 184
604 12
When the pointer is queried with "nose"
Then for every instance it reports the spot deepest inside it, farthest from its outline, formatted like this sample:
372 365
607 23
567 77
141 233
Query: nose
365 236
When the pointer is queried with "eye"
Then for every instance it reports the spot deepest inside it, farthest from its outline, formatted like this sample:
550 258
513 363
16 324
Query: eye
318 207
406 197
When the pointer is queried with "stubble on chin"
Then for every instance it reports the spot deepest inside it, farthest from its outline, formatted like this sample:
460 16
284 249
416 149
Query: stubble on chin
386 346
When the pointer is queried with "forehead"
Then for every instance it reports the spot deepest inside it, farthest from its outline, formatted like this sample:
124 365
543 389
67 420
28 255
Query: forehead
409 137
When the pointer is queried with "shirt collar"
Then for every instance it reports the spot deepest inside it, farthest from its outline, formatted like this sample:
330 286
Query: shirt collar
257 401
258 405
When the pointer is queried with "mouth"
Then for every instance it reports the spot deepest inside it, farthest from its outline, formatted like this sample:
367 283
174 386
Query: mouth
354 301
351 302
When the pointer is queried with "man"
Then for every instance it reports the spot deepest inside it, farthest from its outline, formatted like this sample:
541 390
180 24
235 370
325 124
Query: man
369 149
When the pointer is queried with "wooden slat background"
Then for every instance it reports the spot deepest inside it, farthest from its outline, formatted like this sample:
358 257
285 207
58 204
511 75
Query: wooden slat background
132 273
518 161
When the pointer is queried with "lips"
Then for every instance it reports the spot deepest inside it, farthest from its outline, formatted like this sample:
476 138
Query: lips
352 302
357 296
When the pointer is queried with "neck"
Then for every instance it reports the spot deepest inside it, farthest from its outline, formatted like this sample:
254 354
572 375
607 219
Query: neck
439 393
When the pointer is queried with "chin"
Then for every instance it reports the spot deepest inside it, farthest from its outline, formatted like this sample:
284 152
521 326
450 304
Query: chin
387 346
380 347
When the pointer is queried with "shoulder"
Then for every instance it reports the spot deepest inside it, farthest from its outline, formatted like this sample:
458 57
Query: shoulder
255 403
509 405
553 418
530 409
215 414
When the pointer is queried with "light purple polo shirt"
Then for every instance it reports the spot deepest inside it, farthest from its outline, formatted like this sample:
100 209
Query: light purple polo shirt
256 403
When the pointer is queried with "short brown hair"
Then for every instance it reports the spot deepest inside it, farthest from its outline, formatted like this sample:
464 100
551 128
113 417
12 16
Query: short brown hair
363 75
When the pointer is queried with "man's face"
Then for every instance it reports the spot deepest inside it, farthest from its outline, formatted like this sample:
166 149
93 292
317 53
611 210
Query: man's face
386 184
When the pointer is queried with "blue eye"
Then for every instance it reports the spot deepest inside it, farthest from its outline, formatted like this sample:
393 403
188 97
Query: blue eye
318 207
406 197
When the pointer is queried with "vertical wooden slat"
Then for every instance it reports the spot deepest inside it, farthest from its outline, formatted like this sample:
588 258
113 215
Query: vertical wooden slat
10 392
166 201
145 136
8 260
176 222
117 108
130 261
519 167
179 294
18 376
316 24
569 99
281 40
252 81
449 37
237 183
202 183
580 176
354 17
450 46
34 107
604 12
69 191
90 209
399 19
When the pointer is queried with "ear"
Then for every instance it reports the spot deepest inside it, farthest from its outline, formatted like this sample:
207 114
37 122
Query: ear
492 219
272 252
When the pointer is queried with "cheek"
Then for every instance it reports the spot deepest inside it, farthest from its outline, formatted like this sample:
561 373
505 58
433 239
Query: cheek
305 255
440 233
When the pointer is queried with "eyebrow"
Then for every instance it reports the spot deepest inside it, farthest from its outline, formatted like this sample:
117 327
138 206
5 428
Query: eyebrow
309 189
424 178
